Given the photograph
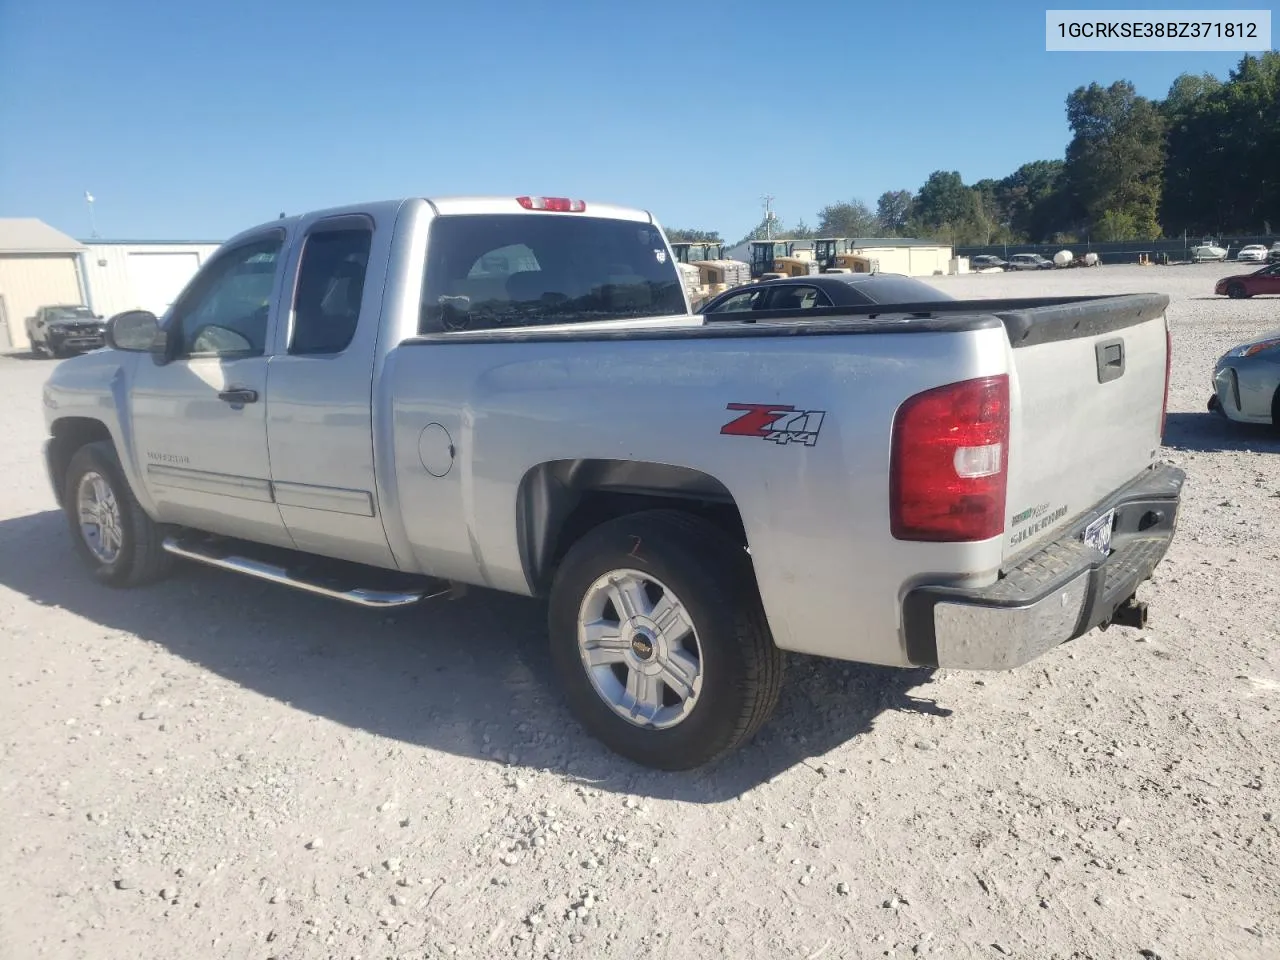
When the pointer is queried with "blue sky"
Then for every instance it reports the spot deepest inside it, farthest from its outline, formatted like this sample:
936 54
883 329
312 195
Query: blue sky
195 120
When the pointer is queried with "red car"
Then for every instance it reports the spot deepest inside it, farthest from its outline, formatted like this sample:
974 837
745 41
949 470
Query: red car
1266 280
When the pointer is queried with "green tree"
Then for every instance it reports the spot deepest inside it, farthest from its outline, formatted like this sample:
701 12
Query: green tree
989 220
849 218
1247 108
1194 111
1115 160
801 231
681 235
1034 200
1115 225
778 231
893 210
943 199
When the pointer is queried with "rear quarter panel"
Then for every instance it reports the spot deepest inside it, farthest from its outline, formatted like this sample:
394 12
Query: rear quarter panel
816 517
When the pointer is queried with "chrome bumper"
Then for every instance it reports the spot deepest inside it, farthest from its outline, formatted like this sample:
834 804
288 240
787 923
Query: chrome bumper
1061 592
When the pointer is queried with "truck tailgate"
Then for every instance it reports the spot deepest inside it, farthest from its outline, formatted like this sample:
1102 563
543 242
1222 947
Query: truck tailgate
1087 395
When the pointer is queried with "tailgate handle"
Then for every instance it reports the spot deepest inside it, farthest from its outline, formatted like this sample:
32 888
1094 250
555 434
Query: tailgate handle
1110 354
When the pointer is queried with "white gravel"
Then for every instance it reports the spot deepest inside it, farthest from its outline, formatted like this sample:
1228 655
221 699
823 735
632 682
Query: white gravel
207 768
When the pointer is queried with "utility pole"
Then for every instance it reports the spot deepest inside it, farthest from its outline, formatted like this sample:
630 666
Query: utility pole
93 226
768 216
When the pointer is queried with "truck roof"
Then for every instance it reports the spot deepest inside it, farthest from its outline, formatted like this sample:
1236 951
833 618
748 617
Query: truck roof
447 206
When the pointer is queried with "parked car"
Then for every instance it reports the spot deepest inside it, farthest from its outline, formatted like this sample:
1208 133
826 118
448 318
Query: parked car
511 393
1243 285
986 262
1029 261
62 330
1253 253
824 290
1274 255
1246 382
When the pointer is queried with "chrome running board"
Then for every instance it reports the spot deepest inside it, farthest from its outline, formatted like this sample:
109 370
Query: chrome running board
310 574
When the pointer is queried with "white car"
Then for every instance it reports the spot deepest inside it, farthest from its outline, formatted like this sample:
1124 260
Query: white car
1254 253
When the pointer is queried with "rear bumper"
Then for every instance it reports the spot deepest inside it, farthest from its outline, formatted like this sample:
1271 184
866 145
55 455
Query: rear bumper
1059 593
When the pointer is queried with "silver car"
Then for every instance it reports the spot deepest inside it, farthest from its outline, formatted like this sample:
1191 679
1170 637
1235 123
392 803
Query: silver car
1246 382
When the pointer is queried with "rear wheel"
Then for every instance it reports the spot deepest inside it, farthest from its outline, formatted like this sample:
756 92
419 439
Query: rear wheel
659 638
114 537
1236 291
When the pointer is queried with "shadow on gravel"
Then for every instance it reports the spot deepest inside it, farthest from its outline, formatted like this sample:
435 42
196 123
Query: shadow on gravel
1211 433
443 675
25 355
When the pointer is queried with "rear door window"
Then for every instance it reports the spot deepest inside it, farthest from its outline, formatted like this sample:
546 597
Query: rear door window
517 270
796 297
326 306
747 300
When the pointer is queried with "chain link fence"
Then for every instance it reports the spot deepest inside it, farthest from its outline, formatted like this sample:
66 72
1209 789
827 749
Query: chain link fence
1121 251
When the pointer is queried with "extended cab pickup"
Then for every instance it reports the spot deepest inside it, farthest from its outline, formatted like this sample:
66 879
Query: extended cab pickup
387 402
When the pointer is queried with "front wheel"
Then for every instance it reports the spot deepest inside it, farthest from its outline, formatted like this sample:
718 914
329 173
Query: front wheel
112 534
1237 291
659 638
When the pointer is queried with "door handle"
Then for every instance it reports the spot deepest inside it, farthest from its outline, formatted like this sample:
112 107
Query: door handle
239 395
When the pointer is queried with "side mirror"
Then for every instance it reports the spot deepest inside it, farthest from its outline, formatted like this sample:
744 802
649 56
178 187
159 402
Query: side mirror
133 330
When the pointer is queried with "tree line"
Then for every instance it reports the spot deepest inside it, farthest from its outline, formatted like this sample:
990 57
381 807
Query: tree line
1205 160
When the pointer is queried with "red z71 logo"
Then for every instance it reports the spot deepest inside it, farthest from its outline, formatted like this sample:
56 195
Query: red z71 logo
780 423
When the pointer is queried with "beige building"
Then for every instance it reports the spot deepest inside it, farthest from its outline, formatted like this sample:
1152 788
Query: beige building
39 267
915 258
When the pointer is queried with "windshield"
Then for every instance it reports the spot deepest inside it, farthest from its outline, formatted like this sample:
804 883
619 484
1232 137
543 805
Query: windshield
70 313
518 270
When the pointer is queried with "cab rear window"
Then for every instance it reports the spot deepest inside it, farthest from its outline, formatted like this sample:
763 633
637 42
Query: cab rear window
518 270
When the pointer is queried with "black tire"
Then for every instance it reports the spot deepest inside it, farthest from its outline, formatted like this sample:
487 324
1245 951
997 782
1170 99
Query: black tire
1275 411
712 576
1236 291
141 559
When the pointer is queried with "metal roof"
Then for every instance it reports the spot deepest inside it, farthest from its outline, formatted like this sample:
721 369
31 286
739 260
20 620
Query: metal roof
29 235
863 242
105 242
895 242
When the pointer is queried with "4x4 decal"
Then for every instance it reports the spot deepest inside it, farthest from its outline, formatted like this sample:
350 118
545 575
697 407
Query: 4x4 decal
781 423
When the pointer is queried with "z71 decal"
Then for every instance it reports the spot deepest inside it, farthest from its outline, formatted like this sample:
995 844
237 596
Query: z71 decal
780 423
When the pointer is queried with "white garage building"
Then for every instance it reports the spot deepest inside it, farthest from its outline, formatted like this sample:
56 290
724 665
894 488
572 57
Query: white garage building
40 266
139 275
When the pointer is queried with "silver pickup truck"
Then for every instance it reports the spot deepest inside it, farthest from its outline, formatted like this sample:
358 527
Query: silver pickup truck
387 402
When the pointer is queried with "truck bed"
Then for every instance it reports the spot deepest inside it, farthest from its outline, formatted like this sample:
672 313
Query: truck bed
1028 321
524 408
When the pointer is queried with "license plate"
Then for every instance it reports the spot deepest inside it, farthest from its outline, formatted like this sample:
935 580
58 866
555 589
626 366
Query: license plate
1098 533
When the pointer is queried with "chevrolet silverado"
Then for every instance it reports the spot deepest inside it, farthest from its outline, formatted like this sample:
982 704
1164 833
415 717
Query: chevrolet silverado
392 401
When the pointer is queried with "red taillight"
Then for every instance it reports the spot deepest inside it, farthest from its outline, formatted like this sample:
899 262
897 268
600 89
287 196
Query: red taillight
948 472
1168 371
554 204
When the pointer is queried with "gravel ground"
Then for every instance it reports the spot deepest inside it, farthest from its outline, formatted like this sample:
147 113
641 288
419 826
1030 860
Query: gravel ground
218 768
